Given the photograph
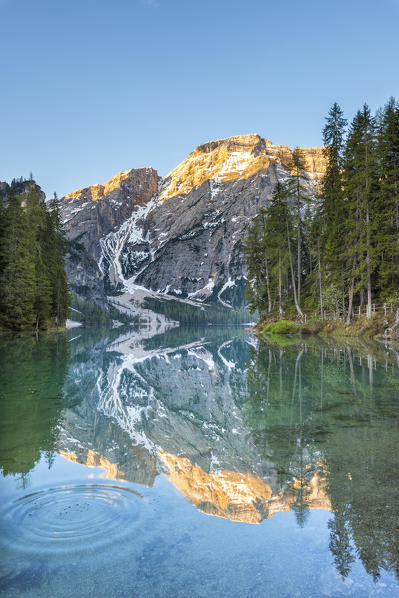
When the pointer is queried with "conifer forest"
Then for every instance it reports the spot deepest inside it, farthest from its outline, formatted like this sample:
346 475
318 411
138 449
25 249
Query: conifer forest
33 285
336 250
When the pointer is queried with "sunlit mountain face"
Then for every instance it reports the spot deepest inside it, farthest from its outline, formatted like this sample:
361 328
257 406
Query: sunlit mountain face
240 431
151 245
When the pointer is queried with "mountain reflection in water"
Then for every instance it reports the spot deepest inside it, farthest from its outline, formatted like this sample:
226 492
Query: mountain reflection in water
242 431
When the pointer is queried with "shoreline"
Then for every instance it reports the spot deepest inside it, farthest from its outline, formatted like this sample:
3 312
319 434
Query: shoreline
376 328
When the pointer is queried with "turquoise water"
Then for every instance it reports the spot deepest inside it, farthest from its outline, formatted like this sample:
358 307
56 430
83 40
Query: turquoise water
197 463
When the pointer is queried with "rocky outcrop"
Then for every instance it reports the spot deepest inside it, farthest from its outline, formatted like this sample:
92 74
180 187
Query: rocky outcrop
91 213
182 237
22 187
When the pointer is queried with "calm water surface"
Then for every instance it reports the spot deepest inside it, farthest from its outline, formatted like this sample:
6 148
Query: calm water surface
196 463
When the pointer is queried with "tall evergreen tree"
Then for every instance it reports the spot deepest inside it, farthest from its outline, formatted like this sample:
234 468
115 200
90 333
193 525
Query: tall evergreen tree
333 209
56 256
278 231
258 265
361 185
387 228
299 195
37 218
332 184
316 230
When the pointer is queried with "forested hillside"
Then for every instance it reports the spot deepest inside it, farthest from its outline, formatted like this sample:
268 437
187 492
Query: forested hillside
33 286
336 250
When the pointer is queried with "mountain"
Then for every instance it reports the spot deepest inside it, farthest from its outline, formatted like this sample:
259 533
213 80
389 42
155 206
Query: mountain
180 237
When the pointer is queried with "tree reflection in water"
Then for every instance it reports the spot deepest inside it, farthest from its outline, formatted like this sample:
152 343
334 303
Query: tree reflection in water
332 410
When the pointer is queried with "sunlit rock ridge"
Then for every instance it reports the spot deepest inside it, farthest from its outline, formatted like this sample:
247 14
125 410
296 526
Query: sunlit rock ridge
179 237
237 157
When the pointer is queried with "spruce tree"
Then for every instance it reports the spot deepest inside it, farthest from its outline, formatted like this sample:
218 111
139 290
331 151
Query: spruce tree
256 253
316 230
278 232
37 217
387 229
332 184
332 212
297 188
55 247
361 187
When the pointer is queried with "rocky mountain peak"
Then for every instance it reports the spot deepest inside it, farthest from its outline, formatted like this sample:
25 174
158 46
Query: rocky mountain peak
93 212
123 180
238 157
190 247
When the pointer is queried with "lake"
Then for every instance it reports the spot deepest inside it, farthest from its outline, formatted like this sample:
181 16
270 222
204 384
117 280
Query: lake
198 463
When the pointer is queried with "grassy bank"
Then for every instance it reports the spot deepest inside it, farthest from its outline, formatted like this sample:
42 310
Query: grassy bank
373 327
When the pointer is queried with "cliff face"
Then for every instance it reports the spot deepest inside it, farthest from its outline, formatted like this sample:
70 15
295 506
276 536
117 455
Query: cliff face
91 213
182 236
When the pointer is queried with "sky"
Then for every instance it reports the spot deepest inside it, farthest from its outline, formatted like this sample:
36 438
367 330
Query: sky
92 87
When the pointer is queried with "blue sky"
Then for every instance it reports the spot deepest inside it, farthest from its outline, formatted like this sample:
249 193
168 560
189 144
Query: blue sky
91 87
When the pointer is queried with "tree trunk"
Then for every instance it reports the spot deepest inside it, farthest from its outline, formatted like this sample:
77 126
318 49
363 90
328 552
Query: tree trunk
299 242
269 301
368 261
280 301
350 306
321 291
293 276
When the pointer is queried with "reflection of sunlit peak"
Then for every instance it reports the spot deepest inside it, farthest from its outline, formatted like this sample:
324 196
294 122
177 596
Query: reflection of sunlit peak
236 496
69 456
93 459
239 496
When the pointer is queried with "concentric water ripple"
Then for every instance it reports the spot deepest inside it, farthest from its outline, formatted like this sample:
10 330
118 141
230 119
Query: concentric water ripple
70 518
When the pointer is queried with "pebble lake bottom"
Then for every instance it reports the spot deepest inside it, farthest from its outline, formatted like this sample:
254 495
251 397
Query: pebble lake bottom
198 463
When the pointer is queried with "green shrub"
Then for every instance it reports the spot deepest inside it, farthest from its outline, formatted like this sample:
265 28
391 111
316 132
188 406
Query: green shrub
282 327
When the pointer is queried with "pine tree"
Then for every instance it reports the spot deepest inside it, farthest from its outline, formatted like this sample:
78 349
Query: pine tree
332 183
278 231
361 185
316 230
3 213
387 228
298 191
37 217
56 257
255 251
332 211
